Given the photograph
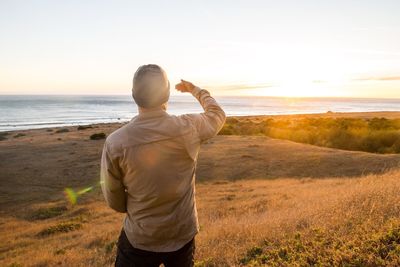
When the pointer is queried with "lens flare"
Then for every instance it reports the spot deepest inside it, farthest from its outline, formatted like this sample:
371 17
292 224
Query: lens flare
85 190
71 195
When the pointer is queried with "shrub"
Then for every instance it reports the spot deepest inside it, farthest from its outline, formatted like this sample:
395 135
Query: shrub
379 124
84 127
396 146
63 227
320 248
3 136
19 135
252 254
231 120
97 136
377 135
63 130
46 213
109 246
227 129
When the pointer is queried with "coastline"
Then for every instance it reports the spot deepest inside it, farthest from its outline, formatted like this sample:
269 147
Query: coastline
68 157
26 112
361 115
263 188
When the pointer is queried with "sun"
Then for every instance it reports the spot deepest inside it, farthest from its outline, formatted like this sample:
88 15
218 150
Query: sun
303 89
306 74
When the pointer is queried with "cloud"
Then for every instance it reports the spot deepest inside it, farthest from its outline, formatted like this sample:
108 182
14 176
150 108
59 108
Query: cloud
382 78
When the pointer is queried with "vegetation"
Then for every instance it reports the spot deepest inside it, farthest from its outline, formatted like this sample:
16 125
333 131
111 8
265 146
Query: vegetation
377 135
98 136
321 219
322 248
19 135
62 130
3 136
282 222
47 213
84 127
63 227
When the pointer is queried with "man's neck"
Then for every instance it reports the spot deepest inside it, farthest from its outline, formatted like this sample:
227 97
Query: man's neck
163 107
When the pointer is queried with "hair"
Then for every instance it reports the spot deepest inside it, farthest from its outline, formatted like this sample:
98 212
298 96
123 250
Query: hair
144 69
150 86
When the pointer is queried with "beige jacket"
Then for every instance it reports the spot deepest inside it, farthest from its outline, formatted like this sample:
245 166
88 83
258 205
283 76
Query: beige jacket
148 171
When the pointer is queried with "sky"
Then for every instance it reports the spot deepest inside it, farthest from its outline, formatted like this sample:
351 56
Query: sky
271 48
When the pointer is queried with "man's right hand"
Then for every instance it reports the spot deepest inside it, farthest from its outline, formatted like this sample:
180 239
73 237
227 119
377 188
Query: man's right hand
185 86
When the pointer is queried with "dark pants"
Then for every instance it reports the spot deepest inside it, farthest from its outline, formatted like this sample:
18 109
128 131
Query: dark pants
127 255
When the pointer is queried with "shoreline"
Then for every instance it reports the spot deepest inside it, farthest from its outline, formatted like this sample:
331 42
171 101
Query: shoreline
361 115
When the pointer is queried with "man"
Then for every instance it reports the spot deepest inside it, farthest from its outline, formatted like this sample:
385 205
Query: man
148 172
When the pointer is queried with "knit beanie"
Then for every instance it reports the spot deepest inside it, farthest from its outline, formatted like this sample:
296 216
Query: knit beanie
150 86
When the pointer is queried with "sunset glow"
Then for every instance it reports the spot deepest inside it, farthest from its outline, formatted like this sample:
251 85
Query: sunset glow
312 48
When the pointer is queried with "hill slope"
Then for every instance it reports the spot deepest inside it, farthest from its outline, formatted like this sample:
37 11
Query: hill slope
38 166
284 214
331 222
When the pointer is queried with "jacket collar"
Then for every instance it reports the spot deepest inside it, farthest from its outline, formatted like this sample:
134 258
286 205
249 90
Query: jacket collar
152 113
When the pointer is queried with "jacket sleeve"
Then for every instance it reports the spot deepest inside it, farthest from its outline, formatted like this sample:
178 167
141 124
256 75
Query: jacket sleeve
209 122
111 182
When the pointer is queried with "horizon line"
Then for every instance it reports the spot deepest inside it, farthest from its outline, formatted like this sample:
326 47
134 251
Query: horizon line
221 95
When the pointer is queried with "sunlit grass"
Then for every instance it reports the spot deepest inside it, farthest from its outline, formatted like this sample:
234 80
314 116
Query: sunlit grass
339 221
348 221
377 135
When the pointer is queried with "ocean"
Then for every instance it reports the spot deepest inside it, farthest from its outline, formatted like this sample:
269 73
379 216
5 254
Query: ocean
19 112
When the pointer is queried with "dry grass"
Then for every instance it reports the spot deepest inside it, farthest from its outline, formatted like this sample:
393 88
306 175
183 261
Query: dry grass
242 222
261 201
273 212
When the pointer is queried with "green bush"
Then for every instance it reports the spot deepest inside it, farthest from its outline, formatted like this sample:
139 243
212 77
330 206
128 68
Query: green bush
62 130
321 248
63 227
3 136
47 213
98 136
377 135
84 127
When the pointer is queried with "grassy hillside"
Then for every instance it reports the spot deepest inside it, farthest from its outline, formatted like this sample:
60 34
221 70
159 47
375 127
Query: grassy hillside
377 135
261 201
341 222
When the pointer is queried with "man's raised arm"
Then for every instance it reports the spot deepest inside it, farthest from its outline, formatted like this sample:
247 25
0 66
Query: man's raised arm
210 122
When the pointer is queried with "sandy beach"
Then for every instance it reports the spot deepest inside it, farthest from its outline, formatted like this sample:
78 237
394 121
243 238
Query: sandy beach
244 182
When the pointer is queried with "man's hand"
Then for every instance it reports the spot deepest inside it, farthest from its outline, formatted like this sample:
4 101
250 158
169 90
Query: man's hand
185 86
